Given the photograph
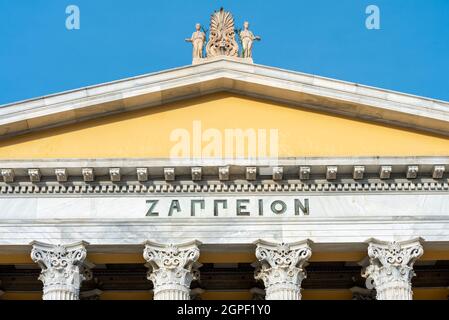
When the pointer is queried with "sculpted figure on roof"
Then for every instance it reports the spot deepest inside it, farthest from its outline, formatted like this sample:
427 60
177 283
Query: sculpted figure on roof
198 39
247 38
222 39
222 35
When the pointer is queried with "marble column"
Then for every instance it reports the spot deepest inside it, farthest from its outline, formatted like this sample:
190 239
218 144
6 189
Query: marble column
281 268
391 268
62 269
173 268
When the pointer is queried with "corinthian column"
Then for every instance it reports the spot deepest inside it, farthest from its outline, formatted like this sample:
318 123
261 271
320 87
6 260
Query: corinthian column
281 268
62 269
391 268
173 268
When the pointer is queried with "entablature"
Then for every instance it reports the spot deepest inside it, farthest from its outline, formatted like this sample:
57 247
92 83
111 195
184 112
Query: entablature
193 176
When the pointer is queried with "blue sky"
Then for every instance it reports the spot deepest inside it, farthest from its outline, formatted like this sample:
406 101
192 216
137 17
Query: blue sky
119 39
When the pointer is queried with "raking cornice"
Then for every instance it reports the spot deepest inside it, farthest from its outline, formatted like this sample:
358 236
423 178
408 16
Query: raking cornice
226 75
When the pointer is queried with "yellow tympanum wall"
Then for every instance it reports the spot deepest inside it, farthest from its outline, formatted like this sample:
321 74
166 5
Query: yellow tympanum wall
146 133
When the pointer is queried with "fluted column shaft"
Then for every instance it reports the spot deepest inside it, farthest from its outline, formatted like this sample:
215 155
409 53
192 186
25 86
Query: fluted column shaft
281 268
391 268
173 268
62 271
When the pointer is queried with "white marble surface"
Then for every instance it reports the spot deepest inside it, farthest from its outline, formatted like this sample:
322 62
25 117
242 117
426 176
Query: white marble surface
226 231
120 220
136 207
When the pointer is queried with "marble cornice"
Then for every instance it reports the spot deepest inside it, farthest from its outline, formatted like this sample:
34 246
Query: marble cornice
137 176
224 75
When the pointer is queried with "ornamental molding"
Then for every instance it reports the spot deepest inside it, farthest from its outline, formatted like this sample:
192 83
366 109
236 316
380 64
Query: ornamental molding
142 174
223 173
8 175
35 175
115 174
61 175
174 176
135 188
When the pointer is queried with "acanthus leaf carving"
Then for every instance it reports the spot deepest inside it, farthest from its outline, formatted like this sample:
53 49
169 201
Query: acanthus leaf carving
391 268
281 268
172 269
222 40
62 269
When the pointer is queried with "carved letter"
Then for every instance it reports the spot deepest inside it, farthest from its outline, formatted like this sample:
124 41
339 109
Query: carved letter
174 206
304 208
242 205
224 203
193 206
150 212
278 207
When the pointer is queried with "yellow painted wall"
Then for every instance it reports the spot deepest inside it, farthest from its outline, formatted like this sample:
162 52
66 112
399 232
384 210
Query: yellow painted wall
145 133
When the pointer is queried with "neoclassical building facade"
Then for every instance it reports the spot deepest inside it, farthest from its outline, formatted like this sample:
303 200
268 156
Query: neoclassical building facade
225 180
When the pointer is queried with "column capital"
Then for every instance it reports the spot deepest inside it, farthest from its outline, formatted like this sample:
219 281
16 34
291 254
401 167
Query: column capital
391 267
281 268
62 269
173 268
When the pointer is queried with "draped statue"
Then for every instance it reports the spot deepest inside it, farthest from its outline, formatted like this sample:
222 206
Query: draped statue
247 38
198 38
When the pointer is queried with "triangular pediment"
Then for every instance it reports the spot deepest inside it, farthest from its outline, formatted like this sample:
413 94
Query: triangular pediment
315 116
194 127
